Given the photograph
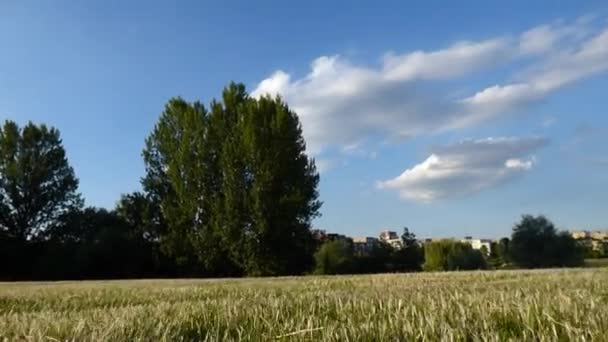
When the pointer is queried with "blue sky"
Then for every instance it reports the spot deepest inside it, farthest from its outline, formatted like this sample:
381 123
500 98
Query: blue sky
451 119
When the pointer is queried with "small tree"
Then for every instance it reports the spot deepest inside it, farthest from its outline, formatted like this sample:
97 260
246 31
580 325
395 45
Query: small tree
334 257
450 255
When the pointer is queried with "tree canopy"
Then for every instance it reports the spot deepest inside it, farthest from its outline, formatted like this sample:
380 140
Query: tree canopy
450 255
38 187
234 183
536 243
334 257
228 190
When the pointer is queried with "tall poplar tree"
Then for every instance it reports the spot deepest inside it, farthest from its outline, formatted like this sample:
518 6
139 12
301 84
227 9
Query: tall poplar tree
235 184
176 161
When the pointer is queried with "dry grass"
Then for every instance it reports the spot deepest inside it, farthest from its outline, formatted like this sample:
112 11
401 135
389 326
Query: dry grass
565 305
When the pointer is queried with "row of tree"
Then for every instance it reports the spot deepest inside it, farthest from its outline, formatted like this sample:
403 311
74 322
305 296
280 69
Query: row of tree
234 184
228 191
338 256
534 243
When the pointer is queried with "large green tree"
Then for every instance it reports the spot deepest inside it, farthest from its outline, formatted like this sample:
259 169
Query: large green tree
176 174
234 183
536 243
282 188
38 187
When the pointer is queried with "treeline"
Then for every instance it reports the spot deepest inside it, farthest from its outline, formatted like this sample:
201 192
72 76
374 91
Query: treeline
339 256
534 243
228 191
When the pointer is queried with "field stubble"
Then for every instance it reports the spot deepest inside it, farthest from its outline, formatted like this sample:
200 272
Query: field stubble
544 305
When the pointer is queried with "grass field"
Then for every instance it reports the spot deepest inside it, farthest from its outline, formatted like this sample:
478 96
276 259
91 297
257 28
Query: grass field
546 305
596 262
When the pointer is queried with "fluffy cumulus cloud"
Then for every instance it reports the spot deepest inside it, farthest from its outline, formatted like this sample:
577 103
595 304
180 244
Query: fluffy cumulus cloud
587 59
342 103
466 167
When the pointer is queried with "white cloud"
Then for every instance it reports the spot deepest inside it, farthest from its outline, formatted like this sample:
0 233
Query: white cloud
590 57
275 84
539 39
467 167
456 60
519 164
546 38
341 103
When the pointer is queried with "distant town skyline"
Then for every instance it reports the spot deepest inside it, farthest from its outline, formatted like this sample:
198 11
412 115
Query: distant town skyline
450 119
577 233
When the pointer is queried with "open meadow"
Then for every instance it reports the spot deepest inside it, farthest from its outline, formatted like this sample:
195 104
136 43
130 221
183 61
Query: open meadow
542 305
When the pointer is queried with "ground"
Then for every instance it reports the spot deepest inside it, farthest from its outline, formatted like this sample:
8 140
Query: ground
569 304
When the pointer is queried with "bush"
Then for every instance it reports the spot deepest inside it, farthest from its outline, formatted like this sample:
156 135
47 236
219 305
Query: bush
334 257
450 255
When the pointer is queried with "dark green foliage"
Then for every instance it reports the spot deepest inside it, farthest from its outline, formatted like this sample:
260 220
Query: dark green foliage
37 194
536 243
105 245
234 184
43 230
143 215
591 252
228 191
503 250
499 258
383 257
176 173
379 259
334 257
449 255
411 256
281 187
37 185
435 255
90 244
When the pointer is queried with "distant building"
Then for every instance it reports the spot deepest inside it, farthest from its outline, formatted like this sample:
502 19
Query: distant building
364 245
599 235
581 235
391 238
339 237
594 239
321 236
386 235
586 234
479 244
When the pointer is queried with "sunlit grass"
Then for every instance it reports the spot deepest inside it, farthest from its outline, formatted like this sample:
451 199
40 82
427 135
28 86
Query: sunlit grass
596 262
486 306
